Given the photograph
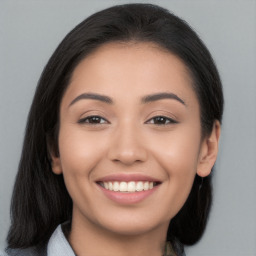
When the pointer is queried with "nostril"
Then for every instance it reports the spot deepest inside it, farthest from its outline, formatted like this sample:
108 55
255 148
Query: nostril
128 157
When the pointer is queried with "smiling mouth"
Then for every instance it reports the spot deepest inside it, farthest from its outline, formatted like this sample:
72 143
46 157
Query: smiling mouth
128 187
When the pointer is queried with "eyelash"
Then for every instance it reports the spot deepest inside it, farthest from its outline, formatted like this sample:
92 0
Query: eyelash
162 119
87 120
97 120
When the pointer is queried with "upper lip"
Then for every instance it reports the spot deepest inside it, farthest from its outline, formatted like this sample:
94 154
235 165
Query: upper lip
127 177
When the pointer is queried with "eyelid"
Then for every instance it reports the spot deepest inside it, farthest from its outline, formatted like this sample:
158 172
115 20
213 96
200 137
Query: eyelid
162 113
83 119
171 120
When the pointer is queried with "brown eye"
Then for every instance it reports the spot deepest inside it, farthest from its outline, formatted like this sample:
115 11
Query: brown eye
93 120
161 120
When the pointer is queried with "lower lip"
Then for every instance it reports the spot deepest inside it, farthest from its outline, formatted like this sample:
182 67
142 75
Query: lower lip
128 198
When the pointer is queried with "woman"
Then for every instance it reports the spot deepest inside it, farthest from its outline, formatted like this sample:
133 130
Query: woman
120 142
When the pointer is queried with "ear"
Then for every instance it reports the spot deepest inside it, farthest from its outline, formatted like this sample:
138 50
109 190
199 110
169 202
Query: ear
56 165
54 158
209 151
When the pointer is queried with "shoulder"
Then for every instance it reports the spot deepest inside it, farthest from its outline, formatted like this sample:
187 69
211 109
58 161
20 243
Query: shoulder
57 245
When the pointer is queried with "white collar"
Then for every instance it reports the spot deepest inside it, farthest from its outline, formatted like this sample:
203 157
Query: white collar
58 244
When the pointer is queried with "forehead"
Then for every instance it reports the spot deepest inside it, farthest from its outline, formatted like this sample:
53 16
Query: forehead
131 69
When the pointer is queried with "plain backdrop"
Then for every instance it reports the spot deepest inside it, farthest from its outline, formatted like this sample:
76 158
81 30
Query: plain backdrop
30 30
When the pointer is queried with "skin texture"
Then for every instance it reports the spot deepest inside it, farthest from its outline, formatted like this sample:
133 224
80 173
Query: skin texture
129 140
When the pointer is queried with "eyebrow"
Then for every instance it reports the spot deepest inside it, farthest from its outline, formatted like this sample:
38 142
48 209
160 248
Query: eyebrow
161 96
145 99
92 96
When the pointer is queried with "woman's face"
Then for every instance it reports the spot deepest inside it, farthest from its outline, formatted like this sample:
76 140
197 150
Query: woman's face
129 139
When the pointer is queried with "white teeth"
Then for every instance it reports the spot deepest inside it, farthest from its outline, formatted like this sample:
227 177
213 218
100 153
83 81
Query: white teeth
131 186
146 185
116 186
106 185
139 186
123 186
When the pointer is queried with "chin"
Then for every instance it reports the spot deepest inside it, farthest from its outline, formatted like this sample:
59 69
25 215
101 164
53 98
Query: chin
134 224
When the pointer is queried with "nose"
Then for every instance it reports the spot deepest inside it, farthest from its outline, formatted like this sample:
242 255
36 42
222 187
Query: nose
127 146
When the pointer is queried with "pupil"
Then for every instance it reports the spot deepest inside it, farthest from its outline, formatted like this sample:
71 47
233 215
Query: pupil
95 119
160 120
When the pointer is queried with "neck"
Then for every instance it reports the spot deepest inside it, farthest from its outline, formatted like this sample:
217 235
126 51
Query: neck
88 239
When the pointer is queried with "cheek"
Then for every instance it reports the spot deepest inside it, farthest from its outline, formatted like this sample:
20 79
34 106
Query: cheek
79 155
79 152
179 162
181 150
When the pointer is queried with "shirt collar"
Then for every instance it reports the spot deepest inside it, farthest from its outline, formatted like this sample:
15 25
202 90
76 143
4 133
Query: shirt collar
58 244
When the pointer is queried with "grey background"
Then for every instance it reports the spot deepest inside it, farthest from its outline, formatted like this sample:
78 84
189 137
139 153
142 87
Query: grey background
31 29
